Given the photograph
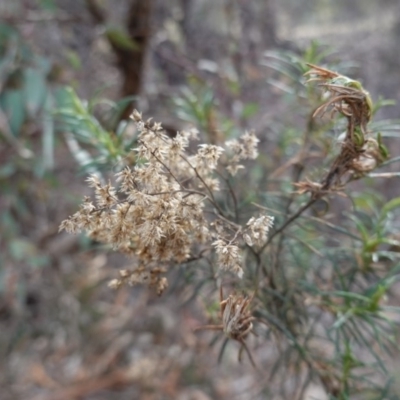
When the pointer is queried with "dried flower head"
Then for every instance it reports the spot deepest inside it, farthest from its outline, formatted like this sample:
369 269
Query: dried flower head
370 158
236 320
209 154
358 152
243 149
228 257
257 230
156 211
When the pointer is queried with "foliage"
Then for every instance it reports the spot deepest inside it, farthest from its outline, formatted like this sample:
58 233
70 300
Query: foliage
320 283
26 100
92 144
26 95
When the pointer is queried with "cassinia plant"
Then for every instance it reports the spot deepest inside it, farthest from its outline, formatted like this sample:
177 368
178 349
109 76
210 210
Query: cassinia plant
176 205
158 213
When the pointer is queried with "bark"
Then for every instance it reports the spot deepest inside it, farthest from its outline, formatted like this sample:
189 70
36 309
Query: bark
130 59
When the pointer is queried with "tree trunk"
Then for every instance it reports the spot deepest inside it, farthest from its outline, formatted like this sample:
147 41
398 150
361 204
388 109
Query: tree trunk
131 53
131 60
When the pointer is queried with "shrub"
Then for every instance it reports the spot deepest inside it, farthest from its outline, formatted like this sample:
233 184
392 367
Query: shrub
317 286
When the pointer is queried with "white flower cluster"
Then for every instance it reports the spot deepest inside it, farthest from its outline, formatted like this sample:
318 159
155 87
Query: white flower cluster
257 230
242 149
228 256
209 154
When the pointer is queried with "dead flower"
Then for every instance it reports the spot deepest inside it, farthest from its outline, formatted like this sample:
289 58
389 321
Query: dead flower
359 153
236 320
347 96
308 186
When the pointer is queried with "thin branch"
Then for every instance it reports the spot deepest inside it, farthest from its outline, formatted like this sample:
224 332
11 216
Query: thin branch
214 203
384 175
289 221
234 199
243 343
209 328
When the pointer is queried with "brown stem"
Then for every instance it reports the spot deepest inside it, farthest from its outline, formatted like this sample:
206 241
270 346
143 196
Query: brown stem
244 345
209 328
289 221
130 58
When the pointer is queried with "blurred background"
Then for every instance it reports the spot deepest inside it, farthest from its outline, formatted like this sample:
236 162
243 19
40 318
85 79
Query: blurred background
213 63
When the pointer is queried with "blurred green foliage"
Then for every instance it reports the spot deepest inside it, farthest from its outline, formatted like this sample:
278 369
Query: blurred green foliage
27 145
343 263
26 97
94 146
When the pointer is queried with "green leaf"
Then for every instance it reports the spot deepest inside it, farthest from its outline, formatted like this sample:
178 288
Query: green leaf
250 109
121 39
21 249
48 134
73 59
12 103
381 102
34 90
391 205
